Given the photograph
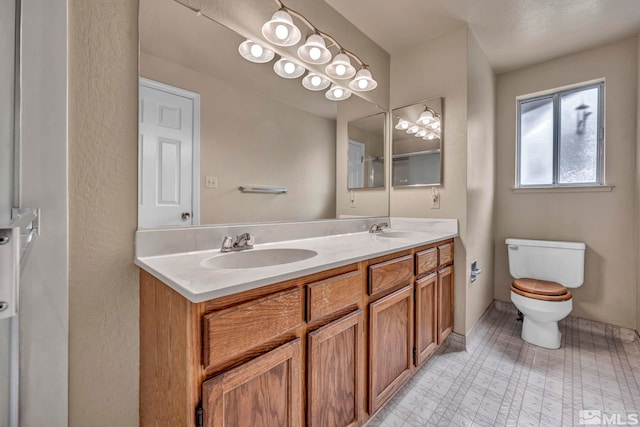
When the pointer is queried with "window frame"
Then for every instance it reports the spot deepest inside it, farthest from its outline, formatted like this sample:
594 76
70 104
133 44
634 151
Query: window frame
555 96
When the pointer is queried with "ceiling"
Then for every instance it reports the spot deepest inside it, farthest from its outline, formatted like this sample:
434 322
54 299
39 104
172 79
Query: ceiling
512 33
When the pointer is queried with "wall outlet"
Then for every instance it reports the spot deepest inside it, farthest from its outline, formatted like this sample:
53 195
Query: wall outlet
435 200
211 182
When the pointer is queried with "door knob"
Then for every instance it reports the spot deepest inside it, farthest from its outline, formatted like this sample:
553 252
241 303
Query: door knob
186 215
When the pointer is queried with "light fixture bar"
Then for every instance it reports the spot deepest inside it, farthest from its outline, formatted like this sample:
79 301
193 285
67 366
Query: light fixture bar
333 42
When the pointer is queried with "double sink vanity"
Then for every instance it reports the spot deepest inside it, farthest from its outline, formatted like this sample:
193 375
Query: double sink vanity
318 324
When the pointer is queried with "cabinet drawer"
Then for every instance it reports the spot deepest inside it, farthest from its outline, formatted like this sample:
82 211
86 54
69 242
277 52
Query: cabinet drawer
390 274
426 261
331 295
445 254
230 332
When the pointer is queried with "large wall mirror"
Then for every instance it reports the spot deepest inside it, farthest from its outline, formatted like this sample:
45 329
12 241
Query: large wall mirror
251 129
417 144
365 158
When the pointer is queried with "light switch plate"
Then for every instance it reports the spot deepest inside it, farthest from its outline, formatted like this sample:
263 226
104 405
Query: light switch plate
211 182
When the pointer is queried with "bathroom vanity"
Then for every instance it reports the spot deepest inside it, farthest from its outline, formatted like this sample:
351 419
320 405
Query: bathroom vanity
320 342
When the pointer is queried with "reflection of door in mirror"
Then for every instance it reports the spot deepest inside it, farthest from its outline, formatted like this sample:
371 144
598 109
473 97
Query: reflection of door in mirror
366 152
169 138
417 144
356 164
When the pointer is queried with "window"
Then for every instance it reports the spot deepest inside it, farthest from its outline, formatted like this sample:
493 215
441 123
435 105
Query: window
561 138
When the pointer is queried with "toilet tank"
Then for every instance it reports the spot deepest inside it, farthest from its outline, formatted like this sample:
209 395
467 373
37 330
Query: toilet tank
561 262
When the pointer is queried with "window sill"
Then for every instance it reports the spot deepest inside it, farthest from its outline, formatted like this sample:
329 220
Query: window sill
576 189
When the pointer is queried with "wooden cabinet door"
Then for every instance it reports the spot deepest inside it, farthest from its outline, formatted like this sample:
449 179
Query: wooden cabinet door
390 345
426 317
335 373
263 392
445 303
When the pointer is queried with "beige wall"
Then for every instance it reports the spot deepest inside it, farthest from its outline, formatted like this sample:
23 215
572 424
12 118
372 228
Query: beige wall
604 220
480 178
637 236
103 290
439 68
282 147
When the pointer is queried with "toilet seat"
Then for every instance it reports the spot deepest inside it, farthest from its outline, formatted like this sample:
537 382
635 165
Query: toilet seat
540 290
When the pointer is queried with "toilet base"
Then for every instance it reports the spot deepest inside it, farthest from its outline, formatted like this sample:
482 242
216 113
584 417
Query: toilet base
542 334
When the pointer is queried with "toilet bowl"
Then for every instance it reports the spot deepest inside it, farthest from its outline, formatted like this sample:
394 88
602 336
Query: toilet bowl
543 270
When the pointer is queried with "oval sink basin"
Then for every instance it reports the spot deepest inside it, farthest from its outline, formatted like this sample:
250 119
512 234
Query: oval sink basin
254 258
397 234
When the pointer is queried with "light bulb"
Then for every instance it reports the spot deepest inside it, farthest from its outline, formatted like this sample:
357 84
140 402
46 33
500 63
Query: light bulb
289 67
315 53
338 93
362 84
421 133
282 32
256 50
413 129
341 69
316 81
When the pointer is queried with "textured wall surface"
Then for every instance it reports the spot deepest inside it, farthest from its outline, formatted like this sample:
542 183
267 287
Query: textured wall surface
439 68
103 291
481 148
604 220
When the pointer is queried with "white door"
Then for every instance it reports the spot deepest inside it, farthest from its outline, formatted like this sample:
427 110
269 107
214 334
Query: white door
355 178
168 190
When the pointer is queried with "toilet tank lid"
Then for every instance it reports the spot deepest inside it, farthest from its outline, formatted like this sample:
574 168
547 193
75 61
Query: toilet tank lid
546 243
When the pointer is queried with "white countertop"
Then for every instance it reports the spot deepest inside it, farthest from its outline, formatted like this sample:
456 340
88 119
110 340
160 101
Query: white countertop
184 273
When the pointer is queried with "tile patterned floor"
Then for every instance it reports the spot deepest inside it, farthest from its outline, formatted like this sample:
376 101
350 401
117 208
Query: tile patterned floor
503 381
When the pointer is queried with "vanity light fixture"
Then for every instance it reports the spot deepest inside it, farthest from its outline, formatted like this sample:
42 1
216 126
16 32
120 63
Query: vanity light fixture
337 93
287 69
340 67
421 133
314 50
363 80
313 81
255 52
281 30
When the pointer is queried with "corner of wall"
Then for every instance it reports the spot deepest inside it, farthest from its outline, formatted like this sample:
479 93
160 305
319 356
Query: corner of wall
480 184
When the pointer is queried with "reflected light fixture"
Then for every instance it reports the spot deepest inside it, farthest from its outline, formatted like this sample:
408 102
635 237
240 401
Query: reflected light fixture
281 30
413 129
313 81
337 93
255 52
287 69
403 124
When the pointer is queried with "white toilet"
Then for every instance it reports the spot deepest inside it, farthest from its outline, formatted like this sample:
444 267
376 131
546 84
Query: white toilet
543 270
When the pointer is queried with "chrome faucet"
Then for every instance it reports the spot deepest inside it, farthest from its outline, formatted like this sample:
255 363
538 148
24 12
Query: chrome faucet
241 242
377 228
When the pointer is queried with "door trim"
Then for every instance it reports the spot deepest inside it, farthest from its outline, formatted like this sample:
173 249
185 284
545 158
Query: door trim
195 97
